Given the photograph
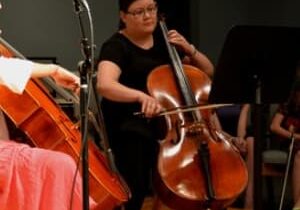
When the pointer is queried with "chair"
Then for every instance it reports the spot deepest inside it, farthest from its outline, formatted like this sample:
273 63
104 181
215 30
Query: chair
273 166
274 162
273 157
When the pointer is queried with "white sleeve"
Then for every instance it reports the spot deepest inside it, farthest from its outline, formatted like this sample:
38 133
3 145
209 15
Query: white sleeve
15 73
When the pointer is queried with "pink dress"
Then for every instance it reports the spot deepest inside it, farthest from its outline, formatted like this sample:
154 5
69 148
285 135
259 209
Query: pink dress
37 179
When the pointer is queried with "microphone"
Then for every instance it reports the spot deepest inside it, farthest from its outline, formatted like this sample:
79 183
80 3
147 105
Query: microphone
78 4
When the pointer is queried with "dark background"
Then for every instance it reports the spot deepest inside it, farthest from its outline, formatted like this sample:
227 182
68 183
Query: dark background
44 28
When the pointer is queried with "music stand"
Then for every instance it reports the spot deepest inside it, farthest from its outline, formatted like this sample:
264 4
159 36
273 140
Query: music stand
257 65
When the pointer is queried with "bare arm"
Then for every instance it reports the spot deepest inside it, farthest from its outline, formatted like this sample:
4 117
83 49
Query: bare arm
61 76
239 140
243 121
4 134
10 67
109 87
199 60
278 129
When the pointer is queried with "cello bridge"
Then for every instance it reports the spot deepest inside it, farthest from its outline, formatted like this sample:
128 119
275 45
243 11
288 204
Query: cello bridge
195 128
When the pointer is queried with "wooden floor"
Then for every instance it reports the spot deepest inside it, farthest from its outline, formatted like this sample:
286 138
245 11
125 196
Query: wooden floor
148 205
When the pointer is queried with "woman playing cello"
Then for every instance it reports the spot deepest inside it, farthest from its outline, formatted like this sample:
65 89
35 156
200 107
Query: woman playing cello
126 59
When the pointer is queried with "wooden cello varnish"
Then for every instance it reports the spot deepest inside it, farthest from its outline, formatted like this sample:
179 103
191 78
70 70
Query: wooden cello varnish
198 168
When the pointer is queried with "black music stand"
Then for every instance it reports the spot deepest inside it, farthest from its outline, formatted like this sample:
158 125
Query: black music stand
258 65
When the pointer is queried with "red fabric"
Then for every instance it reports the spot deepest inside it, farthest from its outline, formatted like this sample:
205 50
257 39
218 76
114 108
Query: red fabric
37 179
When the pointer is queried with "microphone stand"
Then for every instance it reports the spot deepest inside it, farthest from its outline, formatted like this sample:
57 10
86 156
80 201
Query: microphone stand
87 87
84 68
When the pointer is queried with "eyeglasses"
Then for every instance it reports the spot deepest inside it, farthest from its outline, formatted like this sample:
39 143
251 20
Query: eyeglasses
151 10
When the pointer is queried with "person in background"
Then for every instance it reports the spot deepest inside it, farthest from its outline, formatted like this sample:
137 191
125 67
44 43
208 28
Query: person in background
125 61
35 178
285 124
234 120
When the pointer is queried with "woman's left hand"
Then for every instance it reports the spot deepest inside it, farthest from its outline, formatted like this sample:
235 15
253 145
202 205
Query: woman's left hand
179 41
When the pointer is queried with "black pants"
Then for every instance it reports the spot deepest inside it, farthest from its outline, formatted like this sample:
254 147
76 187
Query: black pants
135 150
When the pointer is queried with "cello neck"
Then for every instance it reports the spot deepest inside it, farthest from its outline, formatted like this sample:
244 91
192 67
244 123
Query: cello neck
182 81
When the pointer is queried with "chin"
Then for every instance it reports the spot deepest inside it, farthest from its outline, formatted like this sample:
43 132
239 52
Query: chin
149 29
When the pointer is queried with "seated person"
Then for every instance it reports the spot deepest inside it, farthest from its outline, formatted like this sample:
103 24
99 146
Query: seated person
234 121
285 123
35 178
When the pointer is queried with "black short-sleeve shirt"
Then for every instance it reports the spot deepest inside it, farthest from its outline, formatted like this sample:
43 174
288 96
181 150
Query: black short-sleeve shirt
135 64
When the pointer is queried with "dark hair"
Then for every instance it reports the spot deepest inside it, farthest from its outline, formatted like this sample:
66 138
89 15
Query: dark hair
123 6
292 106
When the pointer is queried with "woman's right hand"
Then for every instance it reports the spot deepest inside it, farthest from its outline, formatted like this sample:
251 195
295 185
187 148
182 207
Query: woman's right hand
150 106
66 79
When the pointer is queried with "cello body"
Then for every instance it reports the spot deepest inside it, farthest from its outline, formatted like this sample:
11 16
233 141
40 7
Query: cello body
181 183
198 167
45 124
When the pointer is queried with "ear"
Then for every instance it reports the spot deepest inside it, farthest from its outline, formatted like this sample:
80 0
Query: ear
123 16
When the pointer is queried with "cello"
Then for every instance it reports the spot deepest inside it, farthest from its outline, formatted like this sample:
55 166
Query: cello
46 126
197 167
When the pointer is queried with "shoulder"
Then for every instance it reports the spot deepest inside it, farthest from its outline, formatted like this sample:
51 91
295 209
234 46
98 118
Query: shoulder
114 50
283 109
116 41
113 46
